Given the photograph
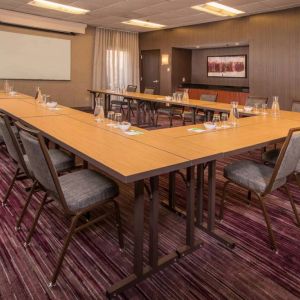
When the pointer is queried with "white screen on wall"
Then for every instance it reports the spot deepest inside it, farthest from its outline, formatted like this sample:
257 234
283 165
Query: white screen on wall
24 56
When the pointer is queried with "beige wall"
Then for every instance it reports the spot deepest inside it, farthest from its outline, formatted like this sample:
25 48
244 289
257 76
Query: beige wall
71 93
274 47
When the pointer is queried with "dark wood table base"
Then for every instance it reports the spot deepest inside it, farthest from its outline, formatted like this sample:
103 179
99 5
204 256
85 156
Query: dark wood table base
155 263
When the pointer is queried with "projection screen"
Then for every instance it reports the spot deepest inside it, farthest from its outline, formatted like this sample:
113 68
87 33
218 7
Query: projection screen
24 56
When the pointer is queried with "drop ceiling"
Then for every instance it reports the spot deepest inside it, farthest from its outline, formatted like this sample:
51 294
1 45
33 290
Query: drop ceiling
172 13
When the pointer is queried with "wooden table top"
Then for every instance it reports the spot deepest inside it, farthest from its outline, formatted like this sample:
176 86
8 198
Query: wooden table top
117 155
4 95
196 103
26 107
131 158
244 138
153 139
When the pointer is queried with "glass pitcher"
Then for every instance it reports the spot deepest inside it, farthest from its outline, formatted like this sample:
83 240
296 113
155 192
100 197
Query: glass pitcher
185 94
275 107
99 110
234 114
6 86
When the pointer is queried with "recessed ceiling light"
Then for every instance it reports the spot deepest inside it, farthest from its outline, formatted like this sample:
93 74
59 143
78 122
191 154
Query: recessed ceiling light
57 6
145 24
218 9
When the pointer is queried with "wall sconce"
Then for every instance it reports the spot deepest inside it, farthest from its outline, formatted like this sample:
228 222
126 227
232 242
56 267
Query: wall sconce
164 59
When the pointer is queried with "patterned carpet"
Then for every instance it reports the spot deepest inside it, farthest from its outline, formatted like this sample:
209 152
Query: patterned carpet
93 262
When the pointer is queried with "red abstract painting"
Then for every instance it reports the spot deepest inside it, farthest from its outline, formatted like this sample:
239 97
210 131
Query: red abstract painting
227 66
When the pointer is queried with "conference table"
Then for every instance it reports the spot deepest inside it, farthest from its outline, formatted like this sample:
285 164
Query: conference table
192 104
141 158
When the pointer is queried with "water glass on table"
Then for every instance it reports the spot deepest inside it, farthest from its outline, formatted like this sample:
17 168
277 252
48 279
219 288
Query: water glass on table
216 120
264 109
118 119
224 119
110 117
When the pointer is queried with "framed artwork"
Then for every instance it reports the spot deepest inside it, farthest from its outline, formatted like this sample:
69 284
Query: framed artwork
233 66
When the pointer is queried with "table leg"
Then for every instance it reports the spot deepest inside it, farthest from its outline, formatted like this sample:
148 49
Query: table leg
193 115
199 195
138 227
156 263
190 210
172 191
210 230
138 116
154 215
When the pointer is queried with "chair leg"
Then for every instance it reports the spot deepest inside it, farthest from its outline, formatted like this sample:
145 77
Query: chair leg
20 219
268 222
119 224
221 213
156 122
64 250
292 204
249 196
10 187
28 239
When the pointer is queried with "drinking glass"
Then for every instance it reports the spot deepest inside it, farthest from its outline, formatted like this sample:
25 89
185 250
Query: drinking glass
174 97
256 108
45 99
224 119
264 109
118 119
110 117
216 120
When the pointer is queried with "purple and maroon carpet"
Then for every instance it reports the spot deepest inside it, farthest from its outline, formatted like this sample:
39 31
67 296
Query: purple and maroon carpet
93 261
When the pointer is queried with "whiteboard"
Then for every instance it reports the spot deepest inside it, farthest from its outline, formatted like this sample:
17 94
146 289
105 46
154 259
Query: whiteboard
24 56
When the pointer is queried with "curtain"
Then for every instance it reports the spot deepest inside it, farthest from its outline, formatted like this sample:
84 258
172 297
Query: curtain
116 59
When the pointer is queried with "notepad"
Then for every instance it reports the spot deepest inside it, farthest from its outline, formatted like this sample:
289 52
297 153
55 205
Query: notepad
196 129
133 132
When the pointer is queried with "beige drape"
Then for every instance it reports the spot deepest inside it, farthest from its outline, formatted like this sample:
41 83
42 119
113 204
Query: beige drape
116 59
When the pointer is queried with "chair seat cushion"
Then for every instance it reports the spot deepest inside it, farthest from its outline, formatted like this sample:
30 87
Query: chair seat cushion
85 188
251 175
271 156
61 160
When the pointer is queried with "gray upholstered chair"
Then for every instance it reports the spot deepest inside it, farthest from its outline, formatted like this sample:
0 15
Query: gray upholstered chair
252 100
148 108
200 114
296 106
78 193
271 156
263 180
122 103
170 110
61 160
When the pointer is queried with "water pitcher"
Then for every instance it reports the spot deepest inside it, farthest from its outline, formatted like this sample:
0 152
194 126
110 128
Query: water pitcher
234 113
275 107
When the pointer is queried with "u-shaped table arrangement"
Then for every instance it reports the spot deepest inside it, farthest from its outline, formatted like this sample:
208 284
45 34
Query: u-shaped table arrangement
149 155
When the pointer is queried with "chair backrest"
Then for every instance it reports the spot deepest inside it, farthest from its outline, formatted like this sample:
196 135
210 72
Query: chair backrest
296 106
149 91
210 98
131 88
40 162
288 157
12 144
252 100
